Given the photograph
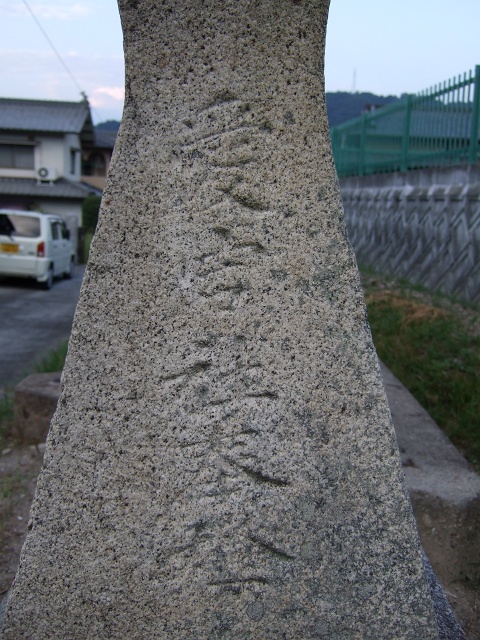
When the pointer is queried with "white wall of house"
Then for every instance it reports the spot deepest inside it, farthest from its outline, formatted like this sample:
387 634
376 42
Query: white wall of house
22 141
50 153
68 210
71 212
17 173
72 157
59 154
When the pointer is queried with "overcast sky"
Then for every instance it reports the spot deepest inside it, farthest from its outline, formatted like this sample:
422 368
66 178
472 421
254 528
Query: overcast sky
383 46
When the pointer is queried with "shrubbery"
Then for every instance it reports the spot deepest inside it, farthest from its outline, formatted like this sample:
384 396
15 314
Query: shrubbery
90 209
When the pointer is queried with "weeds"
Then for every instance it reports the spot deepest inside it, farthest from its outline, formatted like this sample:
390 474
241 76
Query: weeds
435 352
6 407
53 361
9 485
86 248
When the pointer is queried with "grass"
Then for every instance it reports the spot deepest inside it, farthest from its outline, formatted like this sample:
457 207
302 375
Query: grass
86 248
433 347
10 484
53 361
6 415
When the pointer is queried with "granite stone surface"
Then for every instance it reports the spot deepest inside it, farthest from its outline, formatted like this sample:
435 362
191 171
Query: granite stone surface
222 462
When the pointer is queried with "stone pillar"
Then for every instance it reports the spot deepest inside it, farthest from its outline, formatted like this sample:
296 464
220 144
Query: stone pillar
222 463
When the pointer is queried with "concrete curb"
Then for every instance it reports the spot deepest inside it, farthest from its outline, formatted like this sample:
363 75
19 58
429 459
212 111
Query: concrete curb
444 490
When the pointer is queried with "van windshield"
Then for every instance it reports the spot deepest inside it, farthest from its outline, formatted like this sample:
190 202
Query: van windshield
18 225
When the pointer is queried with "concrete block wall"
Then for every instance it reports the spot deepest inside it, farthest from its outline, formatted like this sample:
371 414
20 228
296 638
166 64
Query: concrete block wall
429 235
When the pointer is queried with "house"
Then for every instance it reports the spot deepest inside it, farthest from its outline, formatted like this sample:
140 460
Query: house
42 145
96 158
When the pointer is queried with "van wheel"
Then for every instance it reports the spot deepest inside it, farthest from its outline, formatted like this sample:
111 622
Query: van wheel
68 274
48 284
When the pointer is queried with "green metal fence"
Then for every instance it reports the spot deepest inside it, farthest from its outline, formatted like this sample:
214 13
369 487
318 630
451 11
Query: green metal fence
437 127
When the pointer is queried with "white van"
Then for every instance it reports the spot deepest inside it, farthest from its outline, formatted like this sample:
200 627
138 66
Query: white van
35 245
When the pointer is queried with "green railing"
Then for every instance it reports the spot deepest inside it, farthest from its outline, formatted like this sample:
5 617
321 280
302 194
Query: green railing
437 127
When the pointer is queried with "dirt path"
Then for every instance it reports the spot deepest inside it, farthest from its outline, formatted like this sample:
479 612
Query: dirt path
19 468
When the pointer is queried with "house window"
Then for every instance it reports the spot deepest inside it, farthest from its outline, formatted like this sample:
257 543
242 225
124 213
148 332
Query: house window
73 160
16 156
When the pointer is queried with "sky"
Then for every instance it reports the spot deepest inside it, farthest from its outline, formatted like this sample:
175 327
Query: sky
387 47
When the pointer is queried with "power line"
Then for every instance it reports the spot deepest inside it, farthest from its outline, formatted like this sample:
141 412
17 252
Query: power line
54 50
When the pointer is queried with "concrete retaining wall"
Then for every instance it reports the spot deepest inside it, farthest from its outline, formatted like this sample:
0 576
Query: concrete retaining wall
429 235
460 174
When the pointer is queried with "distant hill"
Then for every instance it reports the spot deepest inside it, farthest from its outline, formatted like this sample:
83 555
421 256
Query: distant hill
343 106
108 125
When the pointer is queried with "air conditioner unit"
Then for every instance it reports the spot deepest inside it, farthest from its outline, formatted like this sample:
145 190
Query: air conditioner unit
47 174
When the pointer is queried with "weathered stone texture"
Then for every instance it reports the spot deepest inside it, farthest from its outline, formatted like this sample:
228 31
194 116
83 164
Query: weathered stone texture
222 463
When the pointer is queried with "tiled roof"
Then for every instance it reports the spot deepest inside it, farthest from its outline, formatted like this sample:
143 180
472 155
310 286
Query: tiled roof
61 188
45 116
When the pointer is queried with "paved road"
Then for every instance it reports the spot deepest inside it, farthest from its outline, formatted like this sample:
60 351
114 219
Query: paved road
32 322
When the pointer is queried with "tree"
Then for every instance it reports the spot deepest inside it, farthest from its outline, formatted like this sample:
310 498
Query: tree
90 209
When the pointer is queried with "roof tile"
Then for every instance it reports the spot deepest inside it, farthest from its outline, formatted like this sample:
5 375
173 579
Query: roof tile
43 115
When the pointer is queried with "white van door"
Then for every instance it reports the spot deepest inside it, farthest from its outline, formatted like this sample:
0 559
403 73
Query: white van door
58 253
66 249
